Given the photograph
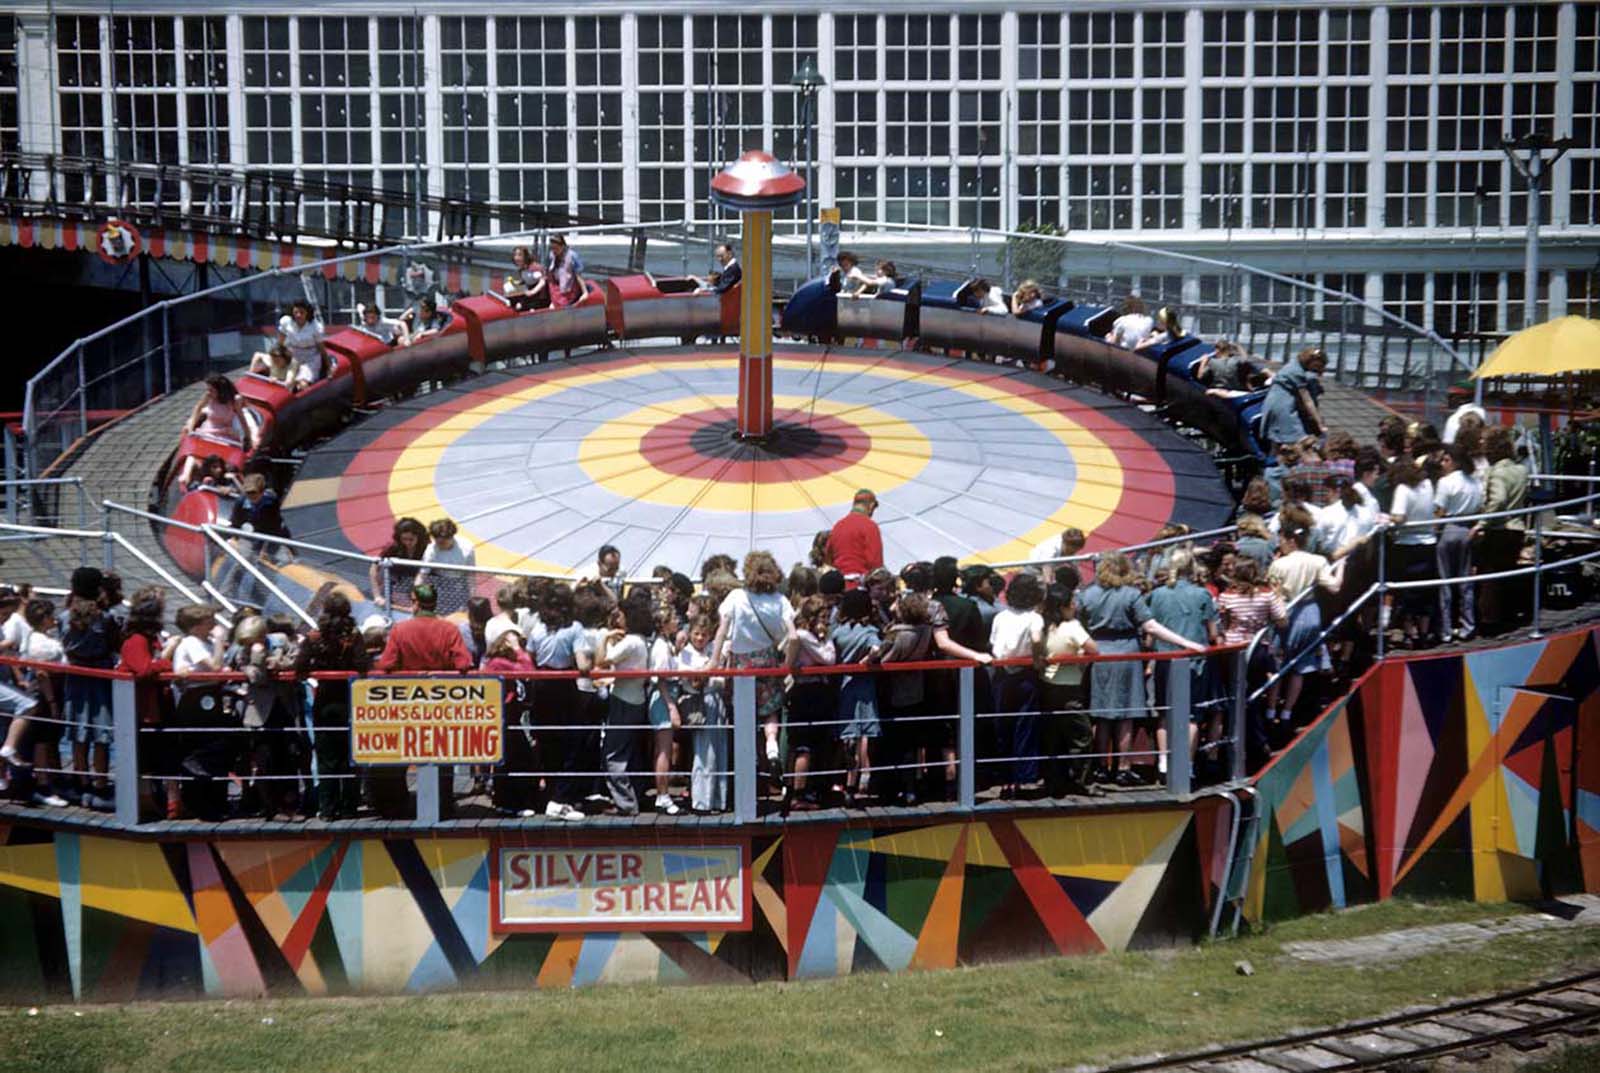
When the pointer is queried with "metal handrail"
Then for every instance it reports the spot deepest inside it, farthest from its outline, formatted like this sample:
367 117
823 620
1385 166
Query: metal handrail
1233 266
1088 556
160 309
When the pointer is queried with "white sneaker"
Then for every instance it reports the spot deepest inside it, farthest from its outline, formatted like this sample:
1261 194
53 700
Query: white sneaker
49 800
555 810
665 804
772 750
7 753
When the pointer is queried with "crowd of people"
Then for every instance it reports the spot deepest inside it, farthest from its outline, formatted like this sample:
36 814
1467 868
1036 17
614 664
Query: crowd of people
645 719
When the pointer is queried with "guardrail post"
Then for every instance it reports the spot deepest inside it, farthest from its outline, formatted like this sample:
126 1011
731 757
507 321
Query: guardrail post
1240 711
967 740
388 586
1383 586
1538 571
428 793
125 751
83 397
12 474
744 749
1178 679
166 348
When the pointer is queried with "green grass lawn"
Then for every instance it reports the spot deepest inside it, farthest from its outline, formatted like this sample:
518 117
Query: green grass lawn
1035 1015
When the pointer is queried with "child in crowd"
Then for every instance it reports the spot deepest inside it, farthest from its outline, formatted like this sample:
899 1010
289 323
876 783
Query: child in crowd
203 758
1292 574
1458 494
855 637
446 549
701 708
44 726
909 639
1067 733
665 717
625 646
514 791
1018 633
813 699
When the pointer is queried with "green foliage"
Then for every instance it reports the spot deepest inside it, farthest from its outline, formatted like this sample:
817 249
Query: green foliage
1037 259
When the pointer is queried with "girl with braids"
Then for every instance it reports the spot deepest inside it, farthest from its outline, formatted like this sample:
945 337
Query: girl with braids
335 645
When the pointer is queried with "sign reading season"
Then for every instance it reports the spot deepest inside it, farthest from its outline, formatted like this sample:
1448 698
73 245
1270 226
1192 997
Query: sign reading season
621 887
425 721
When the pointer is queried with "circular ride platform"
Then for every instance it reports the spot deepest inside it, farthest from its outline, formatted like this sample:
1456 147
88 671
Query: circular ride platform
540 466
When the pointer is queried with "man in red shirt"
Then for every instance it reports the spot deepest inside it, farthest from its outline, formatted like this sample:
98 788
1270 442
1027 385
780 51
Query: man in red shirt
855 546
426 642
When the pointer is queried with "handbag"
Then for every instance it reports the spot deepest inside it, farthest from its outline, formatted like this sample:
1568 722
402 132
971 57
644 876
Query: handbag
692 708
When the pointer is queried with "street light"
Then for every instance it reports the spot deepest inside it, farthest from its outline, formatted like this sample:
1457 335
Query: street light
1533 169
807 79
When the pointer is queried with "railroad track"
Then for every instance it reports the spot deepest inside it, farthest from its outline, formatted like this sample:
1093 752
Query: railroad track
1522 1019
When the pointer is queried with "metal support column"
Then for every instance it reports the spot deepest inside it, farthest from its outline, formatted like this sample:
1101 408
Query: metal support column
967 740
744 749
125 751
1178 678
1240 712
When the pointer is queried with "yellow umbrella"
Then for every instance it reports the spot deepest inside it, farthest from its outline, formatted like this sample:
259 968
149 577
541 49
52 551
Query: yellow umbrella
1565 345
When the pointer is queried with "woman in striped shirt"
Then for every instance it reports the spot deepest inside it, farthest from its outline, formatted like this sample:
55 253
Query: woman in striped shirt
1244 609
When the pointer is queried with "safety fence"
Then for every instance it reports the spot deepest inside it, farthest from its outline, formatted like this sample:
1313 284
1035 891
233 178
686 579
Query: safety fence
1495 540
1272 314
979 734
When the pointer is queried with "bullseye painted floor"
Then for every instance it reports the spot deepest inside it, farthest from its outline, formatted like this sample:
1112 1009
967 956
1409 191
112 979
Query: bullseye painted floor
541 466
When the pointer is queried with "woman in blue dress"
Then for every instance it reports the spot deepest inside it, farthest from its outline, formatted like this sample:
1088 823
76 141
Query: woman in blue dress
1289 411
1117 616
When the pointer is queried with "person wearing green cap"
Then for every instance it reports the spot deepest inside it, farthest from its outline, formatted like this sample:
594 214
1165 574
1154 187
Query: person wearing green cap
855 546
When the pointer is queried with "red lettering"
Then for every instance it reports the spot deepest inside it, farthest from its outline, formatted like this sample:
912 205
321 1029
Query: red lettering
675 899
605 900
652 897
410 738
627 897
391 741
631 863
701 899
538 870
577 873
725 894
605 868
551 877
518 863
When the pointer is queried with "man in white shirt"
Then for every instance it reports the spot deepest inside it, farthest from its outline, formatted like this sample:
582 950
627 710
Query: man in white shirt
1068 544
1459 494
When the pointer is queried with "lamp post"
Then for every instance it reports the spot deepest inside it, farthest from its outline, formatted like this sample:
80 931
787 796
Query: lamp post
1533 168
807 79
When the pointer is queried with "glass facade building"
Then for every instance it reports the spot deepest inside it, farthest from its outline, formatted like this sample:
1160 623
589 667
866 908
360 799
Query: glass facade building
1331 140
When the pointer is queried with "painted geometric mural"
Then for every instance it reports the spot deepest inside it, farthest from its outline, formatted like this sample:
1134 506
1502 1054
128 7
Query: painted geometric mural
1475 775
109 919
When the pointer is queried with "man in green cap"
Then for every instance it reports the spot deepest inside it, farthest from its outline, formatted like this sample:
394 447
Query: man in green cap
855 546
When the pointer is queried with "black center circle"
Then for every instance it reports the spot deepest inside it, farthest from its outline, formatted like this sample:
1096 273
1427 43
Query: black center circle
788 439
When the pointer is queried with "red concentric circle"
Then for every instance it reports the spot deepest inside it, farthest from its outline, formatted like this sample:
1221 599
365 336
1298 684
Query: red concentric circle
702 444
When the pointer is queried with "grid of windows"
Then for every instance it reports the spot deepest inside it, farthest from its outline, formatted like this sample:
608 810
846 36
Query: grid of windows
531 110
335 107
1092 134
79 75
10 132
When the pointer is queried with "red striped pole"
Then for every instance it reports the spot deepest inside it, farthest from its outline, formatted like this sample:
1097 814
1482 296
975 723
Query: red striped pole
755 327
